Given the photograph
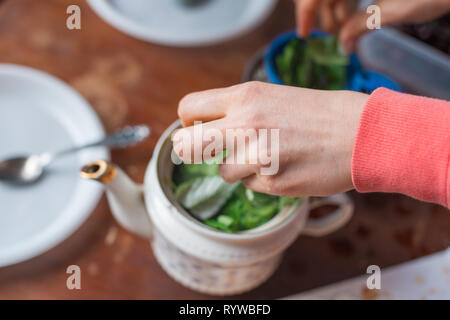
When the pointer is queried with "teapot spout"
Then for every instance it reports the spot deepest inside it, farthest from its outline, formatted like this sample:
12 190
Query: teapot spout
124 196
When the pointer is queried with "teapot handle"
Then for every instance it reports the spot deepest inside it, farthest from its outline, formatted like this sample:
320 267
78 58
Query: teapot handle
333 221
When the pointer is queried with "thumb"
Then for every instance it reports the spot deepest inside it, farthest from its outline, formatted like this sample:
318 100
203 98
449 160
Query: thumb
355 27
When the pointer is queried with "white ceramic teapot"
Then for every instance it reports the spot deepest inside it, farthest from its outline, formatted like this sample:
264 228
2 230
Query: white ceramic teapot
199 257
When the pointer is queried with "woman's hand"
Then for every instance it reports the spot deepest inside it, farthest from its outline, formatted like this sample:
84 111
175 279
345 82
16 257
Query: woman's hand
341 15
317 131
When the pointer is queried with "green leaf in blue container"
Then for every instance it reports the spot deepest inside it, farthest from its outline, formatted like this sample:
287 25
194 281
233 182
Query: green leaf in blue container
314 63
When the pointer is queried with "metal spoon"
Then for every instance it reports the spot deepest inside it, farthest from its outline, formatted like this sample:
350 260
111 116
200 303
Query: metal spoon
28 169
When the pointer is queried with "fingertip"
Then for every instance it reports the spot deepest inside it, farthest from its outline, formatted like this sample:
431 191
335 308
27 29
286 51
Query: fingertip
182 107
346 41
299 32
350 47
301 18
177 146
185 123
224 171
352 30
251 182
346 38
347 46
304 32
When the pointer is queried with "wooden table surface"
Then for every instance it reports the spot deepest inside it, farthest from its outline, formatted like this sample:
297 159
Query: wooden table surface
129 81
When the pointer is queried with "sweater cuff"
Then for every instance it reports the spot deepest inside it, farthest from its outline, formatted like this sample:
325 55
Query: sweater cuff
403 146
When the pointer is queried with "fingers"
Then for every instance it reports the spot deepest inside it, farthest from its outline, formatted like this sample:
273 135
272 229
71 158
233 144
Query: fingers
342 12
253 183
327 16
306 10
392 12
215 108
204 106
298 18
333 15
201 142
352 30
232 173
261 184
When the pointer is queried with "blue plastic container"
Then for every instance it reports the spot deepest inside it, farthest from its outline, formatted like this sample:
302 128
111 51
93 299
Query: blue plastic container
358 79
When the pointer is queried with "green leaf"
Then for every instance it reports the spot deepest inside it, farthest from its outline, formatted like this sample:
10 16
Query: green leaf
203 197
225 220
287 61
186 172
315 63
285 201
250 194
226 207
217 225
325 51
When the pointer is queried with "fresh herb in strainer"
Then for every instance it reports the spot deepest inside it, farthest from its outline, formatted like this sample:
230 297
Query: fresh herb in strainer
226 207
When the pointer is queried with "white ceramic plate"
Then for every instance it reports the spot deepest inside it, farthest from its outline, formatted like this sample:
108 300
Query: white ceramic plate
167 22
41 113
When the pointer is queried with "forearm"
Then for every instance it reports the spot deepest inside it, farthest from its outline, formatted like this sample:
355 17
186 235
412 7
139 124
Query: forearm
403 146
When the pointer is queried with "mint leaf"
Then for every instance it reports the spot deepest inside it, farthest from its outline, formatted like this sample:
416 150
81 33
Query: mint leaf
314 63
203 197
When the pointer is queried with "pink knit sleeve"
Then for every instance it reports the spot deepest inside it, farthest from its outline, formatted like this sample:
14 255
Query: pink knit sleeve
403 146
